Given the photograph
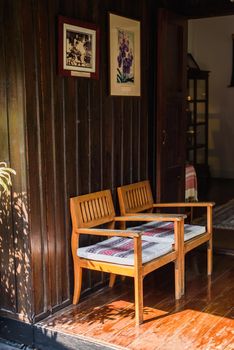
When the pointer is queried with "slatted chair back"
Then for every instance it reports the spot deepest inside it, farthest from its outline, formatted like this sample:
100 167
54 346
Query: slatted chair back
92 209
132 203
135 198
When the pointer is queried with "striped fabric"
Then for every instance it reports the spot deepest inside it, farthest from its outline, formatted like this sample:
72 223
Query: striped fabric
120 250
164 231
190 184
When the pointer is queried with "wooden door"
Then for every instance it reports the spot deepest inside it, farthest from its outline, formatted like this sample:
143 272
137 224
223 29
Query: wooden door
171 105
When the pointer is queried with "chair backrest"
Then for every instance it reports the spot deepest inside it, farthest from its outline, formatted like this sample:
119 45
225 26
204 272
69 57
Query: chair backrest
92 209
135 198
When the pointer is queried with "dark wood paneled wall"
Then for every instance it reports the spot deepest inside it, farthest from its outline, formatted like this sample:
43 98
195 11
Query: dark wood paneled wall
15 260
64 136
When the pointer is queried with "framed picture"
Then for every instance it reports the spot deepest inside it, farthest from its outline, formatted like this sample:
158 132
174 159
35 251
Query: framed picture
125 74
78 54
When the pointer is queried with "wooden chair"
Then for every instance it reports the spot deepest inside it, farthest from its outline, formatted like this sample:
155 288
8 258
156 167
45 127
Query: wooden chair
137 197
131 255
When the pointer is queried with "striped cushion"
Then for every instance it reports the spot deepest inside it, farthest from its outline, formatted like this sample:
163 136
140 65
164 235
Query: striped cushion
120 250
164 231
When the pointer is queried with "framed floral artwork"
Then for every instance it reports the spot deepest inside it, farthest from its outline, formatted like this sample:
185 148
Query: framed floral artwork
125 74
78 48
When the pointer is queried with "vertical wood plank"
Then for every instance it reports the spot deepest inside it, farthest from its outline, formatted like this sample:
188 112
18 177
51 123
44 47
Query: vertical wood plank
78 139
37 210
15 108
7 269
46 120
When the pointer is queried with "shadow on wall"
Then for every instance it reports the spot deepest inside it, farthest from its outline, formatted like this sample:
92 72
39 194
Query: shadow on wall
220 147
15 273
214 131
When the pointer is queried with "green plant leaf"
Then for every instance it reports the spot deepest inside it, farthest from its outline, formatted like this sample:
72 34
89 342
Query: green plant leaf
5 177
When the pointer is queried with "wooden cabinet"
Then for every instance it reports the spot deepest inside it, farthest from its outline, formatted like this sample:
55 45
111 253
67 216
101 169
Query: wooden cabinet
197 122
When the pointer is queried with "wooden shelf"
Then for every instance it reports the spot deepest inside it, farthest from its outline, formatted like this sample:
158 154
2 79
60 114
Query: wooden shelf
198 146
199 100
196 124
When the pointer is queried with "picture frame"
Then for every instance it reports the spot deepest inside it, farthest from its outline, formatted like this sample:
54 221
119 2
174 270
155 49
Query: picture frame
78 48
124 56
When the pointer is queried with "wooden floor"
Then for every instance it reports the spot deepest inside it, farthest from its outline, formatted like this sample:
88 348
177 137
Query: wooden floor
219 191
203 319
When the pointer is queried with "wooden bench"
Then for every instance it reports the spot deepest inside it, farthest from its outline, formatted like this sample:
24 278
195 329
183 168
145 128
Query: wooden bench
124 252
137 197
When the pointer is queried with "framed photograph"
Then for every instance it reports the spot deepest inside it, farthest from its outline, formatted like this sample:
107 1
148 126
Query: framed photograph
125 70
78 54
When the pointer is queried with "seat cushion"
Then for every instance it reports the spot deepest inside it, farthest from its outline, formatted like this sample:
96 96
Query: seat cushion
164 231
120 250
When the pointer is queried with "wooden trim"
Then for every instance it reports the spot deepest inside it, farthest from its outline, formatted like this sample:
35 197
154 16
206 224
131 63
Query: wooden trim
150 217
125 270
107 232
196 241
157 263
186 204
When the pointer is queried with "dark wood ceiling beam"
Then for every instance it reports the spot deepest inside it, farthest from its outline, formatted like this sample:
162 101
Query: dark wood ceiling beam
199 8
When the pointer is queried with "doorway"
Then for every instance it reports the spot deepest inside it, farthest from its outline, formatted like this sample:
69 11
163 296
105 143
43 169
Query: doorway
210 42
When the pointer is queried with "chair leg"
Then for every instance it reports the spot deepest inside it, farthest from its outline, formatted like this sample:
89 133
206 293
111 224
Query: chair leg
179 263
178 280
182 283
138 284
209 257
77 284
122 225
209 243
182 275
138 280
112 280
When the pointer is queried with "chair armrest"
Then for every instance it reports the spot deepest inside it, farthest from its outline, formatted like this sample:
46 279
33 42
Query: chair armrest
150 217
178 219
185 204
107 232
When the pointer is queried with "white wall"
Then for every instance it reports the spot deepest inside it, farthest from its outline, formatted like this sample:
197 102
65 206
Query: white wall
210 43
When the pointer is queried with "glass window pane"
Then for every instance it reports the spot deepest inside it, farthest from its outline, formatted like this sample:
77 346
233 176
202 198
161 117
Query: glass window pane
190 137
190 90
201 89
201 134
201 110
191 156
190 114
200 155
